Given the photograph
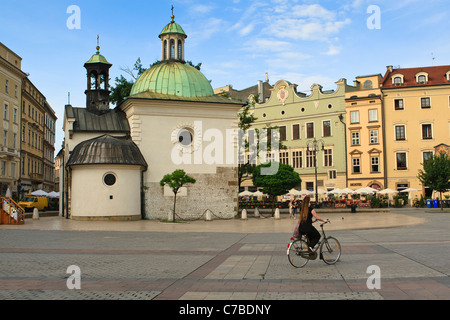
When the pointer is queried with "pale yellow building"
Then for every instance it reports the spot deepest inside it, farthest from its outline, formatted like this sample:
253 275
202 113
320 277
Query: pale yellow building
365 148
416 121
11 77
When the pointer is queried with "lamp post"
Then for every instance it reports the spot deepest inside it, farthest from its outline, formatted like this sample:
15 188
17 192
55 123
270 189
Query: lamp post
313 146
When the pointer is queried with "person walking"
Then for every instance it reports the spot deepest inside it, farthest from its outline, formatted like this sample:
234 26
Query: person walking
294 208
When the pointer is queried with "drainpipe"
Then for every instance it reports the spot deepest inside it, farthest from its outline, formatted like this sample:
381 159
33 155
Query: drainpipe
67 192
341 117
62 181
142 195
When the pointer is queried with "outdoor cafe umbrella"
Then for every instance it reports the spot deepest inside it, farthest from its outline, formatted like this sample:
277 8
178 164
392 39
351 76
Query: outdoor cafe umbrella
388 192
53 194
336 191
294 192
410 191
305 192
258 194
39 193
245 193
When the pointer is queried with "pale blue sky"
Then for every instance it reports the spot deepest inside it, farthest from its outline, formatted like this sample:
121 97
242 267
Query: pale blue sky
237 41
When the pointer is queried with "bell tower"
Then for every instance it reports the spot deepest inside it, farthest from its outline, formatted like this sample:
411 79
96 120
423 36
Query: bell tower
97 92
172 41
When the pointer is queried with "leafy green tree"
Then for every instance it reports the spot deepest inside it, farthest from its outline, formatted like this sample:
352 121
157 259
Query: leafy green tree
122 88
175 181
276 184
245 167
436 174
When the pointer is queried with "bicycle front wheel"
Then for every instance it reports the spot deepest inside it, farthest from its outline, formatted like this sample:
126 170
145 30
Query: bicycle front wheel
298 253
330 250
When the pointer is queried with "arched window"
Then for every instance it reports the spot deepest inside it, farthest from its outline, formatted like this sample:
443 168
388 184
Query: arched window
165 50
397 81
368 84
93 81
102 84
180 49
421 79
172 49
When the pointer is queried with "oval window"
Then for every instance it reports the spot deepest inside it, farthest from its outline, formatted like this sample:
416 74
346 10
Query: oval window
109 179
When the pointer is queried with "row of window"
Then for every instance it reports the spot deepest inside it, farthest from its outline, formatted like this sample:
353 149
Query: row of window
33 166
300 159
6 113
400 134
373 116
3 169
356 139
398 80
34 140
374 165
426 131
425 103
401 162
16 88
309 130
172 49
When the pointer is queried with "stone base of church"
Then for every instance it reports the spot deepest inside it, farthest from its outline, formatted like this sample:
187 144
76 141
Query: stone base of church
108 218
216 192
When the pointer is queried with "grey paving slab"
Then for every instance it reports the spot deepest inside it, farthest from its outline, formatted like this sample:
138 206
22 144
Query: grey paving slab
236 260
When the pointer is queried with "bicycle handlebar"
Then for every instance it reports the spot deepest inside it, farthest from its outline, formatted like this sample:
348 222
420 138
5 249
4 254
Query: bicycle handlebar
322 223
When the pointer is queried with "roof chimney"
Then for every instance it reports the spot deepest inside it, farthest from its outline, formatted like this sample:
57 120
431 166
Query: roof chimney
260 91
389 68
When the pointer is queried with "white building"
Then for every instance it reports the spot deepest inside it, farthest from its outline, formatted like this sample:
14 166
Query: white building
172 120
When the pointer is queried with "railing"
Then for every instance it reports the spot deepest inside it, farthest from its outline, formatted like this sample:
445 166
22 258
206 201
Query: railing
11 212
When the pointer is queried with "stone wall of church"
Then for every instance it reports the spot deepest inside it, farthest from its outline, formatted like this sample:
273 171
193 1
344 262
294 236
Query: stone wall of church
217 192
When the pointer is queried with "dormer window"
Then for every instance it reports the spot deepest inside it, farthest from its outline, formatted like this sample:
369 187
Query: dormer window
422 78
397 81
447 76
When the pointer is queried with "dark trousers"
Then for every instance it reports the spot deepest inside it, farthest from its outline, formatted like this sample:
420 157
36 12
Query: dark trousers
311 232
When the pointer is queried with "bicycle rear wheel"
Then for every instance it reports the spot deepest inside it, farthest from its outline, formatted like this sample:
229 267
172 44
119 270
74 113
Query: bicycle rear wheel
330 250
298 253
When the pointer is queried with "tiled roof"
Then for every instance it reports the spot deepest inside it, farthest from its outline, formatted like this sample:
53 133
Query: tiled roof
107 150
112 121
436 76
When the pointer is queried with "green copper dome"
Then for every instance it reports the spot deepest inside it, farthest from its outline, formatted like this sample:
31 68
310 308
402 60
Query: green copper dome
98 58
172 27
173 78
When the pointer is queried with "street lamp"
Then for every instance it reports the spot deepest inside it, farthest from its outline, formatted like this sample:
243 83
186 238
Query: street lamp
313 146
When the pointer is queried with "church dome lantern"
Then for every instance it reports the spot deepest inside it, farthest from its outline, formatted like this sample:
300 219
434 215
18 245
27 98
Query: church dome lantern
172 76
97 91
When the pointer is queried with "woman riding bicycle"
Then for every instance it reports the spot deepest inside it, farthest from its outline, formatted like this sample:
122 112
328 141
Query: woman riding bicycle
306 227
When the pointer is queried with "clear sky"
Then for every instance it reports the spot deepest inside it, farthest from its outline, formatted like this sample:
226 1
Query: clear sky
237 41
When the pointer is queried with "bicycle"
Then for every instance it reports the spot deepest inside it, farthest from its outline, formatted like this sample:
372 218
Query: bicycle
299 254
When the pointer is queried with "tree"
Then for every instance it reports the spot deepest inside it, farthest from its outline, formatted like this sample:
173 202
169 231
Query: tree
436 174
123 86
246 164
245 168
276 184
175 181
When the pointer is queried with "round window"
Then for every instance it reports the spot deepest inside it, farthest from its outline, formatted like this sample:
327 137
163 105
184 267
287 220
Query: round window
109 179
185 137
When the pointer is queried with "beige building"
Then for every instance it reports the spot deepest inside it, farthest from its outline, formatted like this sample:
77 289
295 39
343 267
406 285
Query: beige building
416 121
49 148
11 77
365 147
